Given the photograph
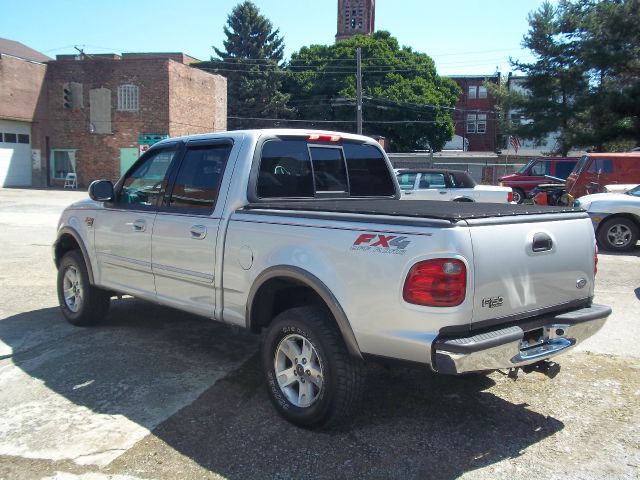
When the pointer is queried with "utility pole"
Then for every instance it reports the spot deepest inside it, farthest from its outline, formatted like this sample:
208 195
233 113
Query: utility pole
359 89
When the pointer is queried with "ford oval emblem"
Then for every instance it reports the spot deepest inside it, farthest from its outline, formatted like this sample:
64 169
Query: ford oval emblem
581 283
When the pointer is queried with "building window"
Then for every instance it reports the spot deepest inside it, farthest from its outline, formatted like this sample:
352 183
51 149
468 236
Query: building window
482 92
471 123
481 124
473 92
128 98
62 162
23 138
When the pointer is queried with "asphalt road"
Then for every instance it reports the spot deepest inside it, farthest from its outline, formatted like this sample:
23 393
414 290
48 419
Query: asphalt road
154 393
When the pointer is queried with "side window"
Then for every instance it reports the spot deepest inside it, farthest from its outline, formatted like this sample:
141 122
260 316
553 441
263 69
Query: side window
145 184
198 181
329 170
540 168
285 170
407 180
563 169
432 180
600 166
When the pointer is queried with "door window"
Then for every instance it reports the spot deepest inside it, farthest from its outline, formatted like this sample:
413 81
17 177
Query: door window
600 166
407 180
432 180
146 183
540 169
563 169
199 177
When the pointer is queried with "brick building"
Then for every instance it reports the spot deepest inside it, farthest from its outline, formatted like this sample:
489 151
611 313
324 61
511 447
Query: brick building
355 17
22 72
102 111
475 114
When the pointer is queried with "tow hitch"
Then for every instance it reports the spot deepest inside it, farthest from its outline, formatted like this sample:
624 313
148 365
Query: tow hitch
550 369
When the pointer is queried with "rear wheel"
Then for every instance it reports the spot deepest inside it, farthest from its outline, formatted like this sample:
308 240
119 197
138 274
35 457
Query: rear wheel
311 378
518 195
618 234
81 303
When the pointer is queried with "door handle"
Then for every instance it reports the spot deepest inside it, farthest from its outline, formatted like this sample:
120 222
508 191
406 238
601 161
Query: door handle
198 232
139 225
442 192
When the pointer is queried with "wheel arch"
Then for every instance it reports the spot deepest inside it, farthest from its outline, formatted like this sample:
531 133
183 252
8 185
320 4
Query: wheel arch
68 240
281 287
462 199
629 216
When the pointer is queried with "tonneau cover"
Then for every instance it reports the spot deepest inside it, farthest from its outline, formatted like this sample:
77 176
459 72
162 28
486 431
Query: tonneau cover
452 211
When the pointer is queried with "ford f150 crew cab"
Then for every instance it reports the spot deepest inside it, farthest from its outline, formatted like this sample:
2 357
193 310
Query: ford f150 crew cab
303 236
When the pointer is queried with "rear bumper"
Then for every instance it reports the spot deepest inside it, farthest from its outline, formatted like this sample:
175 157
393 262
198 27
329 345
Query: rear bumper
513 347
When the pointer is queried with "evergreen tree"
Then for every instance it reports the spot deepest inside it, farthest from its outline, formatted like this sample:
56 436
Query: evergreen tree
250 60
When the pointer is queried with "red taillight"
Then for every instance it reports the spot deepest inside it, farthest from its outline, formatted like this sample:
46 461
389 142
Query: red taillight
324 138
595 263
510 197
441 282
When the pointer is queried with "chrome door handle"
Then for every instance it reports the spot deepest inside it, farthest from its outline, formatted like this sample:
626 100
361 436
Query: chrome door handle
442 192
198 232
140 225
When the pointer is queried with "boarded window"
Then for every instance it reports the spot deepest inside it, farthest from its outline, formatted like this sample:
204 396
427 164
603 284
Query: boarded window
100 110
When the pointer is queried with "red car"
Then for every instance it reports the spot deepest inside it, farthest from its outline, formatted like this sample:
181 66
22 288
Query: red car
536 172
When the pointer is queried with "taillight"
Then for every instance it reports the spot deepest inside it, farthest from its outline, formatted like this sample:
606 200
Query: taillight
510 197
595 263
441 282
324 138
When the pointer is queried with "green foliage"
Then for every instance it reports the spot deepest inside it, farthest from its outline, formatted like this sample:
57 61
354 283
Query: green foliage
399 85
585 82
250 61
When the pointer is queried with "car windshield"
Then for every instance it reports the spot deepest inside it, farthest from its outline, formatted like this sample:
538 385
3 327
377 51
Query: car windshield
635 191
526 167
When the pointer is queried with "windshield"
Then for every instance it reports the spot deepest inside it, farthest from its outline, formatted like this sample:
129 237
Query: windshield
580 165
523 170
634 192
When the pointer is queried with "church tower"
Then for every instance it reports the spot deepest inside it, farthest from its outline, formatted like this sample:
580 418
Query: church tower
355 17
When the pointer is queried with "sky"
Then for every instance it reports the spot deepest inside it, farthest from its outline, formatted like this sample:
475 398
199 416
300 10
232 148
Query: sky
464 37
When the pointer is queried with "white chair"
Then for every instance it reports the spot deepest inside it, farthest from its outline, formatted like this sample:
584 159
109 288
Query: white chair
71 180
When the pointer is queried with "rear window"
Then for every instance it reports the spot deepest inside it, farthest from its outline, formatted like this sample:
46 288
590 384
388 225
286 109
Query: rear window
297 169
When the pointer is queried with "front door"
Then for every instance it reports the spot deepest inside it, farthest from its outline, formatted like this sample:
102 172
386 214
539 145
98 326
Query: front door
124 227
186 230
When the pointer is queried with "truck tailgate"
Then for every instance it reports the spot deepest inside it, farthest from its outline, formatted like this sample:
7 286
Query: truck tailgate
524 268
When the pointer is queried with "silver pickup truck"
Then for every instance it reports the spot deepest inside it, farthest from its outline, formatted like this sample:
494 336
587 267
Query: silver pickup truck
302 236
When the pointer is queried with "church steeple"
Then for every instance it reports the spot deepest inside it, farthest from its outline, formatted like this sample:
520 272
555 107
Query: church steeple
355 17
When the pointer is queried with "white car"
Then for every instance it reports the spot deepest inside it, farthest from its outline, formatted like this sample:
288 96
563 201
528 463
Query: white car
615 217
453 185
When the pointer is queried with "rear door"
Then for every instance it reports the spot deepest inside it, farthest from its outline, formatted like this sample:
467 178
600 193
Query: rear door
186 229
523 268
433 186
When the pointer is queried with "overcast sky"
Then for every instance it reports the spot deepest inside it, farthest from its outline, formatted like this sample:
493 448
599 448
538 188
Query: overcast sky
463 37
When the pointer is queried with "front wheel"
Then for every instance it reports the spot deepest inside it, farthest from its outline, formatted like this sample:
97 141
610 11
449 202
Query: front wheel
311 378
618 234
518 195
81 303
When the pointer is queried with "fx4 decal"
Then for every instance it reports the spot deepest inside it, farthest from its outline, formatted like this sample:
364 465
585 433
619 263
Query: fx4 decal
378 243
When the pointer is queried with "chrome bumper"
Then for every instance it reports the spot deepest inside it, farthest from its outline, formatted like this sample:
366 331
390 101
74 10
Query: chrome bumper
513 347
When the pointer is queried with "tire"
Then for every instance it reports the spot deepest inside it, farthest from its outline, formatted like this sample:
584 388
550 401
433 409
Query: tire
308 336
618 234
518 195
81 303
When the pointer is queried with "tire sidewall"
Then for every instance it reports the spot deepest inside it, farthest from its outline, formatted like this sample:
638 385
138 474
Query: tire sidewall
285 324
73 259
520 194
603 236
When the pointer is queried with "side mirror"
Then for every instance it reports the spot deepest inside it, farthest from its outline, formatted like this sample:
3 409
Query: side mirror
101 191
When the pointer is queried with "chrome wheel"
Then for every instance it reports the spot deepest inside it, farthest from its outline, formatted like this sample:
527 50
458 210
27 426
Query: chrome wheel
73 289
298 370
619 235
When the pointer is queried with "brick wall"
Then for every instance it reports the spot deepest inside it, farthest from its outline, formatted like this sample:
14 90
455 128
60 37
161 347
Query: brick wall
21 82
98 154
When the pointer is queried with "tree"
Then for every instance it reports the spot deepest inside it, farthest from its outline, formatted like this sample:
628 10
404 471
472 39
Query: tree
585 82
403 97
253 52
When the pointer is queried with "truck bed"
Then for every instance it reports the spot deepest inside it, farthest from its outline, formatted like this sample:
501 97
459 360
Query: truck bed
427 209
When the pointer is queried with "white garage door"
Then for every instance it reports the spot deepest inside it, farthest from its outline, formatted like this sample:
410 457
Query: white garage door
15 154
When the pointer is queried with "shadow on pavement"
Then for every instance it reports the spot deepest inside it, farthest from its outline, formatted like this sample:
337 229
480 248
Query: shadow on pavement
413 424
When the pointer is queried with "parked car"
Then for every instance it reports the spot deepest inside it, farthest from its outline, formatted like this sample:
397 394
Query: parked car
538 171
454 185
615 217
591 174
303 236
619 187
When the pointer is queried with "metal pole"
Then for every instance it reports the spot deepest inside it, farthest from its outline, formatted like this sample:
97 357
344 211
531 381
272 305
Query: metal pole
359 89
